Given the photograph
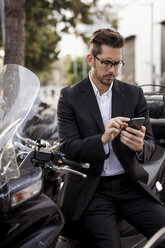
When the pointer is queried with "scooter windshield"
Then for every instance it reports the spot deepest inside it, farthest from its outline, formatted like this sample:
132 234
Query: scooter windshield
18 90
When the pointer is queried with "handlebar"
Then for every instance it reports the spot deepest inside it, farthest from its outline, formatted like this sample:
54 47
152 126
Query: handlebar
48 158
75 164
57 162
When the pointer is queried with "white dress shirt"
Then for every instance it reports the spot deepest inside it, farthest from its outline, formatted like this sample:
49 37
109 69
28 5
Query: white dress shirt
112 165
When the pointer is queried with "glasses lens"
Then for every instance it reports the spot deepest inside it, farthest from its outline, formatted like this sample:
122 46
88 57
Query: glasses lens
108 63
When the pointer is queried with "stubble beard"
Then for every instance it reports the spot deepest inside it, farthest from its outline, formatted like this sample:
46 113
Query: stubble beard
107 83
107 79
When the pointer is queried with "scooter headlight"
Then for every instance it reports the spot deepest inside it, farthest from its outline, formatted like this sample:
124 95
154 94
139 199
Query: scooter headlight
26 193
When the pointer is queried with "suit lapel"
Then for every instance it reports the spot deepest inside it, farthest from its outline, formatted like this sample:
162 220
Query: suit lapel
118 97
90 101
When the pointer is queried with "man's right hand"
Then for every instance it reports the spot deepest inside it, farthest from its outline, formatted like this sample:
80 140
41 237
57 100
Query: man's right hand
113 128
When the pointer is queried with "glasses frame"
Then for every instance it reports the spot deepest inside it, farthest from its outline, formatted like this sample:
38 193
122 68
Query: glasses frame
107 63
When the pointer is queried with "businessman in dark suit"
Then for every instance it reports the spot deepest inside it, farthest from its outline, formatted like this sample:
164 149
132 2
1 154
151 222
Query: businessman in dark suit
92 124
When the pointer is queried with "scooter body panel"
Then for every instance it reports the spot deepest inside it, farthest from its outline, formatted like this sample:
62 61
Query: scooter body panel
37 222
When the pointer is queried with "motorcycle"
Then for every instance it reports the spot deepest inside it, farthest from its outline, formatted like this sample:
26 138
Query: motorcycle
28 216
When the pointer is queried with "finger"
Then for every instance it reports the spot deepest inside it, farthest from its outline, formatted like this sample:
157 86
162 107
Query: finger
115 123
130 141
135 132
124 140
125 124
132 136
124 119
135 146
120 122
143 129
113 130
133 141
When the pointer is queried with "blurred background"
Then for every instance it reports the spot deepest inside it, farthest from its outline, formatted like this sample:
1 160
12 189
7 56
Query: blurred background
50 37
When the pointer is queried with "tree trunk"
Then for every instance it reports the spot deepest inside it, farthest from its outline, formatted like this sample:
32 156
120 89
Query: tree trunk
15 32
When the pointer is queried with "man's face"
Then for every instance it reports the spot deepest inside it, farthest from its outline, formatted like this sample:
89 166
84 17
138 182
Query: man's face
102 70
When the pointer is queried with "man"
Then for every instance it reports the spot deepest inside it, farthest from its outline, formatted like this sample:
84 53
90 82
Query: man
92 120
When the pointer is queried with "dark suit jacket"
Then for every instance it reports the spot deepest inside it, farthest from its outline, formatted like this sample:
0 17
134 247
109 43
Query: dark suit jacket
80 129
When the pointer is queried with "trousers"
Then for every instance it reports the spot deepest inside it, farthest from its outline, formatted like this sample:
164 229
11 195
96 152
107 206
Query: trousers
120 194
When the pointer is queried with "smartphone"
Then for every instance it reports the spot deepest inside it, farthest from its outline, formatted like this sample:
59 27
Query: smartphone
136 122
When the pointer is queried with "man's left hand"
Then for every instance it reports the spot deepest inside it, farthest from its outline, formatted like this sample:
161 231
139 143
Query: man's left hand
133 138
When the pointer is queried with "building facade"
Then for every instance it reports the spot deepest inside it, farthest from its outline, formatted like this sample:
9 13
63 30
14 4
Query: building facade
143 25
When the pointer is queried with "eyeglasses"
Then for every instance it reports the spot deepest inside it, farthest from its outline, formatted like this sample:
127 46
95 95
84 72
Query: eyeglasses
108 63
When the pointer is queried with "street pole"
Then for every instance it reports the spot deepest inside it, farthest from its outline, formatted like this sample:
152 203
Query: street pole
84 67
75 66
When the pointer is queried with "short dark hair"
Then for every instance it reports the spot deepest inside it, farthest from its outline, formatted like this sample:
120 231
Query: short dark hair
108 37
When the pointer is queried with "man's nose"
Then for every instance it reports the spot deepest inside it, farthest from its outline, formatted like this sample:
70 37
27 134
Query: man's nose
111 68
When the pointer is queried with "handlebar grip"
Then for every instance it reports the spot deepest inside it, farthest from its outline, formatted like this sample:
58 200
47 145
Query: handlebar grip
75 164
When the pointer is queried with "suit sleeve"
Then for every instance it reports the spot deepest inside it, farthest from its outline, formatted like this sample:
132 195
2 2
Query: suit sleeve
149 142
72 144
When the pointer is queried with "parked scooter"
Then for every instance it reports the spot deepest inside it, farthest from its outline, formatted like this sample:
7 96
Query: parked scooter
29 218
41 123
156 103
72 234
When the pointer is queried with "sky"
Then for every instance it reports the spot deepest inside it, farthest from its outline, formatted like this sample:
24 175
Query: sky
74 46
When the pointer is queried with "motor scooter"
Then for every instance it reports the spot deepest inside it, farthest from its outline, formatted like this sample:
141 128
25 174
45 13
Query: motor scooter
28 217
41 123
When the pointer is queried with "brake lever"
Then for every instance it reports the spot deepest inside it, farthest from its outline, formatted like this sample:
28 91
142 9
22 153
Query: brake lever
65 169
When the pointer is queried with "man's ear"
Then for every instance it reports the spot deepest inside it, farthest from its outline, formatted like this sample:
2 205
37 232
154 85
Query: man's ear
90 60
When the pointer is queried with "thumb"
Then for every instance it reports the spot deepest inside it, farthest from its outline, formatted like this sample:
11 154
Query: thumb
143 129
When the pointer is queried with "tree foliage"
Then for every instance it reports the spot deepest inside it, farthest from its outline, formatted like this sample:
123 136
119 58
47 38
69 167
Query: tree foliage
75 75
46 20
41 35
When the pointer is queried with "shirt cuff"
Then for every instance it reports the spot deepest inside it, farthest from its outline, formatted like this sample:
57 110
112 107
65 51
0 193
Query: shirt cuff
106 149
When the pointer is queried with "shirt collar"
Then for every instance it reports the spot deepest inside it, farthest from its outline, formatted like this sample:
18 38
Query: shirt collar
108 92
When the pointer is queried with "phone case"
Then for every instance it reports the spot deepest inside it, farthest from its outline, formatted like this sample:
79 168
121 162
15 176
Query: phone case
136 123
